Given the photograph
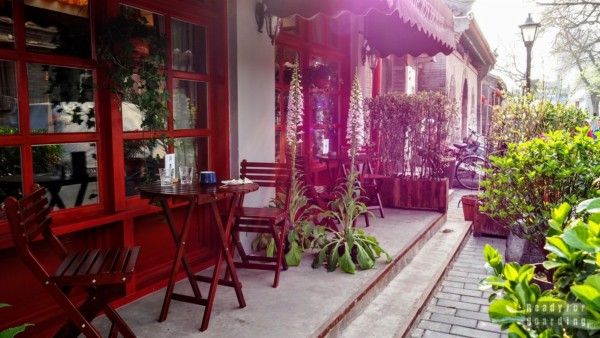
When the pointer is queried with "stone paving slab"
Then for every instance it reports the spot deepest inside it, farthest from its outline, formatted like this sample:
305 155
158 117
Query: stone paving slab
305 300
391 313
458 308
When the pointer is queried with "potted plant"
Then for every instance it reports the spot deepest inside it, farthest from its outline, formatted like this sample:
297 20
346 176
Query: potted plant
413 135
564 305
533 177
349 247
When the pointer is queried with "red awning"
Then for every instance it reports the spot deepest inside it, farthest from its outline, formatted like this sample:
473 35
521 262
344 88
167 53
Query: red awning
391 26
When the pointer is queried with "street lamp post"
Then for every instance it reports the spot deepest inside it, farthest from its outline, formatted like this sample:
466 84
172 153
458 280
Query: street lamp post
529 33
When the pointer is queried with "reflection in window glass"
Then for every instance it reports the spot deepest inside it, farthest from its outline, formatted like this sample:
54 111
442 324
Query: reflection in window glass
7 38
189 47
68 171
61 99
132 116
10 175
58 27
190 104
192 151
9 107
142 160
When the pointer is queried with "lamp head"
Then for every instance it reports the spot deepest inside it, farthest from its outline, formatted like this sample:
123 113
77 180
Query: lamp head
529 30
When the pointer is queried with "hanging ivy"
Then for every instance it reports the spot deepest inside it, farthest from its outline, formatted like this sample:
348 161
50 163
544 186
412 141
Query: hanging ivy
134 53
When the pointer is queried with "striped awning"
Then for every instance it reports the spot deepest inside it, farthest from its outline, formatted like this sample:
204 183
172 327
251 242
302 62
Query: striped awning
391 26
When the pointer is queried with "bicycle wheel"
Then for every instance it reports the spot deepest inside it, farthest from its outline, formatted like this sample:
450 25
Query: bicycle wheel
470 170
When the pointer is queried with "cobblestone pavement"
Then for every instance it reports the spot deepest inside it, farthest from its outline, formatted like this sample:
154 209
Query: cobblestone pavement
458 308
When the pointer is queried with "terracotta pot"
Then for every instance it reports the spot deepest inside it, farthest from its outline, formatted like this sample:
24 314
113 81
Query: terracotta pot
470 206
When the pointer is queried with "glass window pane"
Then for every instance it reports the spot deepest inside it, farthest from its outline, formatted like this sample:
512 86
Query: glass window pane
10 175
9 107
189 47
152 19
61 99
190 104
132 116
192 151
142 160
68 171
7 38
58 27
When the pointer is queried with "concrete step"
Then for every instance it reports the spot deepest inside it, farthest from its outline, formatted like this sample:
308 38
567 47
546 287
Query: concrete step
390 309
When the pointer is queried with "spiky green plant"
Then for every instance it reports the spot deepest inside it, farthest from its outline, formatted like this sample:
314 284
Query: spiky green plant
350 246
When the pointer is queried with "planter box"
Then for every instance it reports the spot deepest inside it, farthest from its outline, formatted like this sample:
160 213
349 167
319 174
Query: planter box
485 225
420 194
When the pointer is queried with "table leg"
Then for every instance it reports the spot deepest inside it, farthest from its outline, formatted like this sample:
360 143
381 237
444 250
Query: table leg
179 258
223 251
184 261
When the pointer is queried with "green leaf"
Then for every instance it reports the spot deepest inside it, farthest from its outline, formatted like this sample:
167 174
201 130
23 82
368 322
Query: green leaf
591 205
578 237
589 295
593 281
364 260
558 246
516 331
270 251
503 311
561 213
294 256
346 263
4 305
511 271
13 331
319 258
332 262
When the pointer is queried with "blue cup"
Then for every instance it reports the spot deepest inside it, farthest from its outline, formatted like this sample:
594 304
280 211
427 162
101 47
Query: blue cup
208 177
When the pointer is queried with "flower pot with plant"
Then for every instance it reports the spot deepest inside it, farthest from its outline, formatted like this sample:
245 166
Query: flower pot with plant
562 301
534 176
349 247
413 135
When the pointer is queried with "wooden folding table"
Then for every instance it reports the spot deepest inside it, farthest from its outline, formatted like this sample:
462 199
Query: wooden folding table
200 195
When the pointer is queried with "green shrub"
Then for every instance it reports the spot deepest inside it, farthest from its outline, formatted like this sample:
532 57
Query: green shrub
572 307
408 125
522 118
537 175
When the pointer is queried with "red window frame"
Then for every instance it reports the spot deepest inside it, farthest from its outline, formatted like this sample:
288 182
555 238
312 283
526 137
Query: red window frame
307 49
109 135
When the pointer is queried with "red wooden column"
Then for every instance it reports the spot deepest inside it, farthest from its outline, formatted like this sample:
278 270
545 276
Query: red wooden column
376 87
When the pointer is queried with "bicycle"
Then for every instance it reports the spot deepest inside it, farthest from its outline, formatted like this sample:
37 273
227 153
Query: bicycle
470 166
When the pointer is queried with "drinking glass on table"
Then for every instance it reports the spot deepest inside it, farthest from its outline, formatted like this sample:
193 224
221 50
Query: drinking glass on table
166 176
186 174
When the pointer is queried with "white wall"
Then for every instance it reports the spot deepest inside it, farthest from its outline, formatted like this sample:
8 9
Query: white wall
252 92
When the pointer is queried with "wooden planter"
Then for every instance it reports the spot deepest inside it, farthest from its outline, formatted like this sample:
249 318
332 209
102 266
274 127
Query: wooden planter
485 225
420 194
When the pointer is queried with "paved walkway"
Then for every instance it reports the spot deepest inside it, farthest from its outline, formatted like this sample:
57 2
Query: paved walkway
458 307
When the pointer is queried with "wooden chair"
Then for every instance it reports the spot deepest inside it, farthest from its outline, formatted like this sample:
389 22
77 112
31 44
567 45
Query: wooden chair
102 273
264 220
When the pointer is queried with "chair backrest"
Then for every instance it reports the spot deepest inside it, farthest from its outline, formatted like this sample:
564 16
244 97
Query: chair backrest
28 218
268 174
